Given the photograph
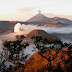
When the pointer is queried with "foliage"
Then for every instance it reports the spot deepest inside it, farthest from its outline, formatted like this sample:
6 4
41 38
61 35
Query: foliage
50 60
20 37
46 43
14 47
53 55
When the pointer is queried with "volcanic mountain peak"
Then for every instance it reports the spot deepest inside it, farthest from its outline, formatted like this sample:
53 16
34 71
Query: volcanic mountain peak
38 32
39 18
40 15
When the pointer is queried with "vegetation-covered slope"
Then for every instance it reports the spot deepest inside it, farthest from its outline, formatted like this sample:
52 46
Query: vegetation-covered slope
51 60
52 55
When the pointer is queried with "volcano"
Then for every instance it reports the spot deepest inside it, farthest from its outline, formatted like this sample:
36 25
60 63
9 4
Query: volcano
39 18
42 19
38 32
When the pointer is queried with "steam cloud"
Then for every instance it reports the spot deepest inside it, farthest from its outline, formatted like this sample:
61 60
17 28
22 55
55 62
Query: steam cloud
24 29
18 27
27 28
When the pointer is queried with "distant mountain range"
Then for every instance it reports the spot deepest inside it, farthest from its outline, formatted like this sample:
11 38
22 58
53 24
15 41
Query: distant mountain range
7 26
52 24
39 20
63 37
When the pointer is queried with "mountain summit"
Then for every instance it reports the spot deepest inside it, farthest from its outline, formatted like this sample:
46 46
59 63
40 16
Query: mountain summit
38 32
39 18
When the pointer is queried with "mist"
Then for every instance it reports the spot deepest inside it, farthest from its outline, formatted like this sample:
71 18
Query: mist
24 29
27 28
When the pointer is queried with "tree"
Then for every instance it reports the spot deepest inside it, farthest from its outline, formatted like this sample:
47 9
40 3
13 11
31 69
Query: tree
14 47
58 68
20 37
46 43
42 44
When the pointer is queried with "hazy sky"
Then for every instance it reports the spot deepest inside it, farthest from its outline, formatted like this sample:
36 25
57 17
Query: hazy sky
24 9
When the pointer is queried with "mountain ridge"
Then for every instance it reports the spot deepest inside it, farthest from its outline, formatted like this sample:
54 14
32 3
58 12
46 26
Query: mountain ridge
40 18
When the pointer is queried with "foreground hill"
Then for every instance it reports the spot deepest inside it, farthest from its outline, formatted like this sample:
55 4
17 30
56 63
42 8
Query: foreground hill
51 60
59 59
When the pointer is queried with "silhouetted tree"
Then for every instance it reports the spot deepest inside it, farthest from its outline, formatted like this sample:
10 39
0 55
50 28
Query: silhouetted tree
20 37
14 47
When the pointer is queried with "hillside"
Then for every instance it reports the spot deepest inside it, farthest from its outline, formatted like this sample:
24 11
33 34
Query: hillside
63 20
7 26
39 61
51 60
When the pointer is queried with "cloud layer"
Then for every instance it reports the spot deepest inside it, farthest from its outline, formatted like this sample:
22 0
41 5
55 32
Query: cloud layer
27 28
24 29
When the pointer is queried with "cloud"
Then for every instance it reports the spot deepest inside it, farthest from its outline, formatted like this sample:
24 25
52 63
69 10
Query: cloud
27 28
18 27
